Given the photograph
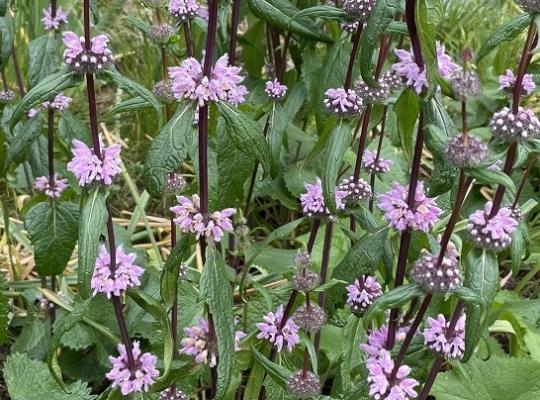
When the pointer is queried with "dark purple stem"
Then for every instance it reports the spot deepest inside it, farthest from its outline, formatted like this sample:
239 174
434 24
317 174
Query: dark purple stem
327 244
187 38
164 67
413 32
50 145
530 163
53 8
352 59
377 158
234 31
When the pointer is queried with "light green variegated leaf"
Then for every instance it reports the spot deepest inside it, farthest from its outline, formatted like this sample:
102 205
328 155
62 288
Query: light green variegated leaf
53 227
92 225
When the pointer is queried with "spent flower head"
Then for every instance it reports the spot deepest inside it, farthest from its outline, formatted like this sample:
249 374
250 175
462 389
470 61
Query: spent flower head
163 91
173 393
278 333
51 23
466 151
161 33
304 385
140 377
174 185
511 127
465 84
7 96
356 190
52 189
397 212
492 233
83 60
358 10
532 6
310 317
114 281
436 278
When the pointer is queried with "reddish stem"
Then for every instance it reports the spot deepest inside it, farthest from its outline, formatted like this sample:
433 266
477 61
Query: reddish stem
352 59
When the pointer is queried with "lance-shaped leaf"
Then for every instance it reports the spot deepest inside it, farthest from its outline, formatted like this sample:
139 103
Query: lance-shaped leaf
487 176
380 18
154 308
92 225
45 90
278 373
53 227
482 277
169 149
246 135
169 275
5 309
283 14
217 293
278 122
340 140
136 103
20 141
44 58
507 32
391 299
133 88
6 39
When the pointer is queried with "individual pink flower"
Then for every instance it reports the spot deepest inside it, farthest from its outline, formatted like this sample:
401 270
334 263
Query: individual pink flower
397 212
371 164
81 60
89 168
59 103
125 275
138 379
184 9
437 338
32 113
275 90
343 102
313 201
50 23
196 343
508 81
277 333
444 63
492 233
189 218
53 190
362 293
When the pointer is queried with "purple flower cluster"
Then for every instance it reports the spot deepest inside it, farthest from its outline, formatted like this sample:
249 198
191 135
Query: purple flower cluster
89 168
223 83
493 233
436 337
184 9
275 90
343 102
50 23
380 366
113 283
416 77
190 219
512 127
421 217
508 81
196 344
435 277
277 333
362 293
137 380
372 165
53 190
59 103
313 200
82 60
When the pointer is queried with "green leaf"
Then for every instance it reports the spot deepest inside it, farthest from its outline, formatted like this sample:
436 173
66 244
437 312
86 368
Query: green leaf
135 89
507 32
482 277
325 12
136 103
392 299
278 373
6 39
64 325
497 378
283 14
246 135
429 15
72 127
339 143
53 227
487 176
169 275
380 18
21 140
92 224
169 149
217 293
4 4
407 108
45 90
4 311
278 122
518 247
44 58
154 308
29 379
